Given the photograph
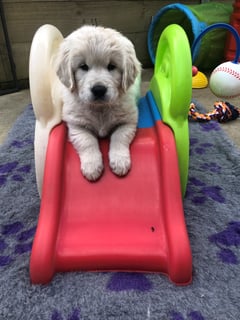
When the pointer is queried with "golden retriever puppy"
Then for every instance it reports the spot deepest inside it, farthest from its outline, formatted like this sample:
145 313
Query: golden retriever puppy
101 76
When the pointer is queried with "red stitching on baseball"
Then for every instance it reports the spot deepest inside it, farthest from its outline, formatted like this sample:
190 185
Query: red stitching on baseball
227 70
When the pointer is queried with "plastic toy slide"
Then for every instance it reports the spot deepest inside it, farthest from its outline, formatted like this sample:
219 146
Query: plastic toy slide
133 223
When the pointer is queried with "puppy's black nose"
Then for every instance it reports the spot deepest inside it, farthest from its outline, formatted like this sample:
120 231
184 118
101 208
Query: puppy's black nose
99 91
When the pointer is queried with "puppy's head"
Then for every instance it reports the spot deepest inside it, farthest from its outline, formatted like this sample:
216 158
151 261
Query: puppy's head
99 64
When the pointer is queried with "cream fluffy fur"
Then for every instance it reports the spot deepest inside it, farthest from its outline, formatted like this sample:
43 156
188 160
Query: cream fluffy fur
101 77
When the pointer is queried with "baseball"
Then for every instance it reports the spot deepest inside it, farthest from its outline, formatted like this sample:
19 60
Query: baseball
225 80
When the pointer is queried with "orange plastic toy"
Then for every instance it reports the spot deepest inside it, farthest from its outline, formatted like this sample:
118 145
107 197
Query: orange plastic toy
134 223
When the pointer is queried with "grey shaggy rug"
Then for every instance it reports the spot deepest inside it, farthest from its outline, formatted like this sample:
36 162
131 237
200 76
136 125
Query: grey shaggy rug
213 221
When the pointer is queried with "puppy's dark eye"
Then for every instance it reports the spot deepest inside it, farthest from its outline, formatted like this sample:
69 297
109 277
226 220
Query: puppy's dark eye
111 67
84 67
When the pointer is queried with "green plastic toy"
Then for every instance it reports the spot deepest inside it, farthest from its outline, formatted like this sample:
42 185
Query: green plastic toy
171 87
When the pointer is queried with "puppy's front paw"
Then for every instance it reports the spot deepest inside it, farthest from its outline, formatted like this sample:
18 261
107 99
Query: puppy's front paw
120 163
92 168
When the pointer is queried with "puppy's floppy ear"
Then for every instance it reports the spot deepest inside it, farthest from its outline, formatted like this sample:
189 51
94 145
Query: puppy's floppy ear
131 68
64 67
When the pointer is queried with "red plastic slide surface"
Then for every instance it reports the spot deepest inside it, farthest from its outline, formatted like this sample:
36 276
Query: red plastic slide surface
134 223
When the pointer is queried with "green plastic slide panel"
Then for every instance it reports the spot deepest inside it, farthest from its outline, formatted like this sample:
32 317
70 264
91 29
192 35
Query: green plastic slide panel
171 86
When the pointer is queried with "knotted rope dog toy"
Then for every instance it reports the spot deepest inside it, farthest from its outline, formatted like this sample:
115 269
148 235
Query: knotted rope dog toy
223 112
